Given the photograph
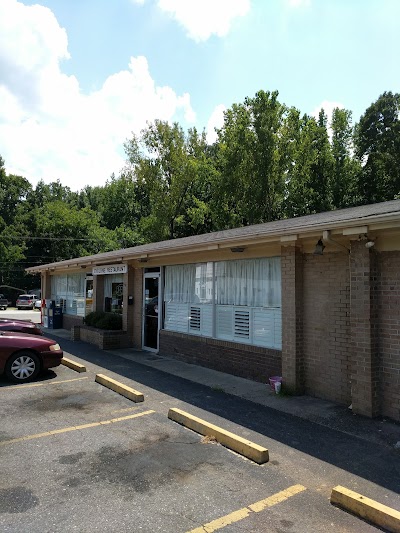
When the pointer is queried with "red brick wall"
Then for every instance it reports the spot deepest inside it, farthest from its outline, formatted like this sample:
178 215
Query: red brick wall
250 362
326 324
388 298
71 320
103 339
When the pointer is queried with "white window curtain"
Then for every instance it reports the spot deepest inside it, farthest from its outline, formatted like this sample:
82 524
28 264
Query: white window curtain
247 297
69 289
108 281
58 287
76 285
249 282
188 283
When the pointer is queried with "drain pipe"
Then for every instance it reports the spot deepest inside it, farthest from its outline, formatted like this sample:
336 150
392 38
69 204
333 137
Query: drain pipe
326 237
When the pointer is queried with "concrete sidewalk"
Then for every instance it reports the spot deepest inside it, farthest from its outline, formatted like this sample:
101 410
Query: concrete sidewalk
329 414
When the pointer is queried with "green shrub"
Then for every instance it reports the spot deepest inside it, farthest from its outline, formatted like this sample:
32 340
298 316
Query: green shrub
103 320
91 318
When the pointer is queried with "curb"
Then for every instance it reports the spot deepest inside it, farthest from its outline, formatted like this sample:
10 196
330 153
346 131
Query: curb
370 510
122 389
244 447
72 364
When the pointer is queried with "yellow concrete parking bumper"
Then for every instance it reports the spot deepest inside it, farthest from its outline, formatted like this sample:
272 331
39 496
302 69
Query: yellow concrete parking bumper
122 389
73 364
370 510
244 447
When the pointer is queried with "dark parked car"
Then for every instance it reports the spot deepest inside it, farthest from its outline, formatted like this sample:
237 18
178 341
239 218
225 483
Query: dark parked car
3 302
23 356
23 326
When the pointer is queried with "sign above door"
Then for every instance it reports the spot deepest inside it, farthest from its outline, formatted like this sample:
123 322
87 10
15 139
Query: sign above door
109 269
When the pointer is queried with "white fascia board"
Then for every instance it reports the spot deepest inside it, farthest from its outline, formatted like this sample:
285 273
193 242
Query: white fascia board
357 230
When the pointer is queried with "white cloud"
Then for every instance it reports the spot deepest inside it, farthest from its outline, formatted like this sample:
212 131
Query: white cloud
203 18
49 129
216 120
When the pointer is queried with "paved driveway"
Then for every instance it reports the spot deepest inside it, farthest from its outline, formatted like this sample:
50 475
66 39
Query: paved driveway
75 456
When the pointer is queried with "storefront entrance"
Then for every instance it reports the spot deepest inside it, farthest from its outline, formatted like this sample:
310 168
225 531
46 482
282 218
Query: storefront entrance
151 314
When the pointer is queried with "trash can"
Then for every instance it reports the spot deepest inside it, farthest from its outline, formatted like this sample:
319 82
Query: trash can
275 383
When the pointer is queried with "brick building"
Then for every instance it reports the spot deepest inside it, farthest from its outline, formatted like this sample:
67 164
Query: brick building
315 299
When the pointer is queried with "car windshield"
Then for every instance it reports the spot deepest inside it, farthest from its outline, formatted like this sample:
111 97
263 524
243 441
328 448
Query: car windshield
25 298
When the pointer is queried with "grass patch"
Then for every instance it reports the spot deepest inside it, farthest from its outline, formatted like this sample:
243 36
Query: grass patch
216 388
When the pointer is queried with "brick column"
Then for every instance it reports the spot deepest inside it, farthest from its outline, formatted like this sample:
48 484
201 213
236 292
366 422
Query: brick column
127 314
98 293
365 359
292 321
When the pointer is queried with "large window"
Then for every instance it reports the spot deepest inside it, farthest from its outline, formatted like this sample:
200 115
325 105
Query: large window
113 293
68 290
230 300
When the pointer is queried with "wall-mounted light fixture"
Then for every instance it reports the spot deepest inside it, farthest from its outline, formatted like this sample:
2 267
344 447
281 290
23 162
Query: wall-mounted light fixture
143 259
238 249
369 244
319 248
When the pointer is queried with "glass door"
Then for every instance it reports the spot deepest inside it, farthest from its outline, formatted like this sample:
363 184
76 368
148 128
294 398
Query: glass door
151 314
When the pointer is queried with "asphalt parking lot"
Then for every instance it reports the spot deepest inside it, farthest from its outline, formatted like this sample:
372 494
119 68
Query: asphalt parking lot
76 456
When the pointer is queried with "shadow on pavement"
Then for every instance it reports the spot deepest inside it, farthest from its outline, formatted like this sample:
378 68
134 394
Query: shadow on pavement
379 464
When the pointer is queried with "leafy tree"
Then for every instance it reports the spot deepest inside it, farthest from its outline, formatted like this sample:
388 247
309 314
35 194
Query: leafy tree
54 191
377 146
13 193
165 165
91 197
309 177
250 165
64 232
345 167
123 203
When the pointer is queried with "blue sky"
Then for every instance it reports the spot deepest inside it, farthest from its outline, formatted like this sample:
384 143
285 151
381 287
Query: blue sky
78 76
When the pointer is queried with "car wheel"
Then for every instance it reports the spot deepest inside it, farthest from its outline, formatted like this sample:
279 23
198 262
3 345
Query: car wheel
22 366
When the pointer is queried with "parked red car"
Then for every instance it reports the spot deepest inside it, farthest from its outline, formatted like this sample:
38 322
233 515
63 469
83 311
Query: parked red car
23 356
23 326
